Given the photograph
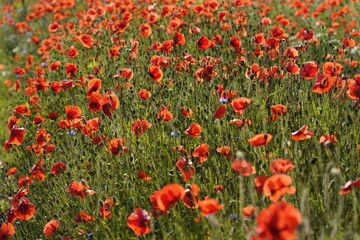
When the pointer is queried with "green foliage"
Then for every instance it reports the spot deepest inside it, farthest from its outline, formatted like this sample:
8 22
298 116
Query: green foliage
326 215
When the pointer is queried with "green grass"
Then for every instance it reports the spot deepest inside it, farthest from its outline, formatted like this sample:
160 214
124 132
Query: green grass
325 214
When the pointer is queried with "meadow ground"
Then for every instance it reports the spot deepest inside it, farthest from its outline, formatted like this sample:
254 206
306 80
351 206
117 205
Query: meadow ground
235 119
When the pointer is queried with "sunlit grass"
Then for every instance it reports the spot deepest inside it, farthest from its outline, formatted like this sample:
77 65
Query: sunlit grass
319 173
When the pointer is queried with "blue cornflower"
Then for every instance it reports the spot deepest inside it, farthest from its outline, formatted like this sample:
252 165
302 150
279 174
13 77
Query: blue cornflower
223 100
233 215
71 133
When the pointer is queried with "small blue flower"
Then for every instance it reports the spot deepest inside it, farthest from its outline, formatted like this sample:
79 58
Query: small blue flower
175 134
223 100
71 133
233 215
43 64
90 235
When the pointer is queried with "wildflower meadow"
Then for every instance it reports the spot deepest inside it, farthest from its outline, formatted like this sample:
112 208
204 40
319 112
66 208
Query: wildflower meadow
169 119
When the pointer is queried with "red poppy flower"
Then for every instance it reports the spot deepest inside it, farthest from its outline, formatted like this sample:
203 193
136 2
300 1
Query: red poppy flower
71 69
10 215
24 181
145 30
98 140
53 115
220 112
38 119
210 206
73 113
206 73
156 74
160 61
66 84
186 111
19 71
203 43
191 198
12 121
277 32
241 122
11 171
126 73
22 109
80 189
95 102
305 34
277 186
156 212
259 38
72 52
248 211
259 182
19 195
24 210
51 227
291 52
139 221
349 185
240 104
7 230
348 42
194 130
86 40
179 39
292 68
140 126
302 134
91 126
353 86
243 167
328 140
279 221
235 42
58 168
281 165
219 188
42 138
105 213
181 149
225 151
169 195
332 69
106 205
94 86
117 146
143 175
38 170
186 167
16 135
153 17
83 217
260 139
165 114
144 94
322 84
278 110
201 152
309 70
110 103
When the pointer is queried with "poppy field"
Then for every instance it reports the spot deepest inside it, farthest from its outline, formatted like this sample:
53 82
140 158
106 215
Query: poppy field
168 119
